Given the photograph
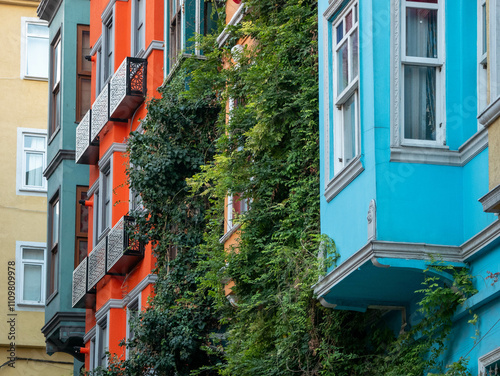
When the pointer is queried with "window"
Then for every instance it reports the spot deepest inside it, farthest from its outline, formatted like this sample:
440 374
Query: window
106 192
107 50
92 354
84 68
31 160
175 40
138 26
235 206
489 364
422 73
102 343
345 56
30 260
34 49
55 85
133 310
482 49
54 214
82 226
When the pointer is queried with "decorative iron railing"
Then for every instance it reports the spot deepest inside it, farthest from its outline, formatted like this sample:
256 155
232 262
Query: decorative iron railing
100 113
97 263
79 283
123 252
127 88
86 151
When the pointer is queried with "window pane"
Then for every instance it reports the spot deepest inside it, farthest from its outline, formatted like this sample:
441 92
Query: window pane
56 64
354 52
38 30
421 32
340 32
423 1
84 96
349 116
348 22
34 142
32 254
420 102
84 214
82 250
485 37
55 223
86 65
342 68
32 284
34 169
37 57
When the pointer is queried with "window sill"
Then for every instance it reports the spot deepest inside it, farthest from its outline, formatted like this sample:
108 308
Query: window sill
33 78
439 155
53 135
51 297
343 178
230 232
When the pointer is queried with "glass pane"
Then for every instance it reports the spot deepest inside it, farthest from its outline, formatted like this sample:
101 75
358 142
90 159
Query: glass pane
32 284
342 68
423 1
85 96
348 22
56 64
37 57
349 115
34 169
86 65
84 214
354 52
38 30
485 38
421 32
32 254
356 13
340 32
55 223
34 142
82 250
420 102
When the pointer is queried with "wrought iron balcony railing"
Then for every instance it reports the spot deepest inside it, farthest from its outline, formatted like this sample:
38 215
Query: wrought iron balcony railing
127 88
82 297
123 252
97 263
86 151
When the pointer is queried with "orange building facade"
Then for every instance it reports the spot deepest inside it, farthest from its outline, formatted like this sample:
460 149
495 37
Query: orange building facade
115 280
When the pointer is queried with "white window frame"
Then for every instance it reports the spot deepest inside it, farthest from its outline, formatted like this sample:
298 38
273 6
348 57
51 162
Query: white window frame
102 342
138 23
487 359
482 72
27 305
106 53
438 63
494 49
244 207
92 354
24 47
21 187
135 303
352 90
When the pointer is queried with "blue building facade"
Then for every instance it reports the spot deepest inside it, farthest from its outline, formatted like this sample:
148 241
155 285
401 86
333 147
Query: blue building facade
405 159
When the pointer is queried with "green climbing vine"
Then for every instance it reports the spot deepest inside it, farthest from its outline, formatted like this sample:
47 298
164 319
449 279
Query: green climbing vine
192 154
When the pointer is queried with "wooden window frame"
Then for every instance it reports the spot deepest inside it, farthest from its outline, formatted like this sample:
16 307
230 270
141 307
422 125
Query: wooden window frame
81 74
55 85
79 235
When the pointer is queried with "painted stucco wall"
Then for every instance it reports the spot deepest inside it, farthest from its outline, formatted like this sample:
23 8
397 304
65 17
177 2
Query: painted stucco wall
494 153
22 217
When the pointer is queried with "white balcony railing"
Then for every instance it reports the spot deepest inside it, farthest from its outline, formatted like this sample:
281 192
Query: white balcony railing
79 283
97 263
100 114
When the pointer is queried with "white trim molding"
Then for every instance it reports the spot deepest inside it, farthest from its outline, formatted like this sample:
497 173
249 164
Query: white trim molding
442 155
89 335
115 147
490 113
343 178
485 360
235 20
491 201
230 232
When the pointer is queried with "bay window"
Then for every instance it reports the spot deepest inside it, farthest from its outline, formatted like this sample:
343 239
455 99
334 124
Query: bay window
175 39
55 85
30 258
345 67
54 215
422 73
138 26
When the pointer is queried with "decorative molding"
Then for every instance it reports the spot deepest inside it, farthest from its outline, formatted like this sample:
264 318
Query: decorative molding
235 20
61 155
485 360
324 303
154 45
343 178
491 200
115 147
89 335
134 293
472 246
372 221
490 114
60 317
96 46
47 9
108 11
333 8
110 304
228 234
442 155
92 188
395 72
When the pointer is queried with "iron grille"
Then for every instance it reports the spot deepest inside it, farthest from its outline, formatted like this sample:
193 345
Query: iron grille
97 263
79 282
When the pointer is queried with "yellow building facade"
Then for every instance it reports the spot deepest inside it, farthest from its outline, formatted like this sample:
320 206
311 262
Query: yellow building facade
23 202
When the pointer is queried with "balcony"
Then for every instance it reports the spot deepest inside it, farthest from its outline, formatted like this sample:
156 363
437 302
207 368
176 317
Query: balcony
81 297
123 253
115 254
117 102
86 151
127 88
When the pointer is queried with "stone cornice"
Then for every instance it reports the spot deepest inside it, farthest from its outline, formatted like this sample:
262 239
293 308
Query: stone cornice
61 155
47 9
63 316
